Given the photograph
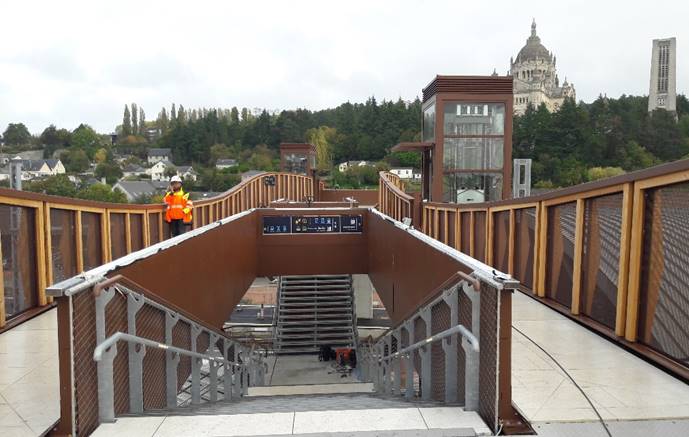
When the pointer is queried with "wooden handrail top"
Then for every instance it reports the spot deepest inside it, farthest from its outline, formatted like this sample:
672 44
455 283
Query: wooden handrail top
392 187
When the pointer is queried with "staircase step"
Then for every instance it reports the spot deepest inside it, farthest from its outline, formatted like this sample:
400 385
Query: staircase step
313 311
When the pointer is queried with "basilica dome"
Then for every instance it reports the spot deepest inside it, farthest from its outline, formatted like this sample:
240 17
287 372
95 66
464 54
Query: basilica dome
533 49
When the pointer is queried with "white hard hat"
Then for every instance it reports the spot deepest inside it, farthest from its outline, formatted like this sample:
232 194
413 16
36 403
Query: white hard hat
176 179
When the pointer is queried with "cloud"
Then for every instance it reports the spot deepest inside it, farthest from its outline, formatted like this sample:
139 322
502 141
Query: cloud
80 61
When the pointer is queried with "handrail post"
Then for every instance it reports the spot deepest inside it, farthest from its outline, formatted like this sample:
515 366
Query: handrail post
426 363
171 361
397 381
387 366
195 367
471 374
213 390
135 357
409 363
227 372
450 346
106 389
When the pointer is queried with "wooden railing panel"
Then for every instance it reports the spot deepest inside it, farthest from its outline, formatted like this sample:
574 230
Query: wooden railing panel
531 243
99 232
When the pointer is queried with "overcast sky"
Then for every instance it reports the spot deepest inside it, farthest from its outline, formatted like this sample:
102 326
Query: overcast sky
67 62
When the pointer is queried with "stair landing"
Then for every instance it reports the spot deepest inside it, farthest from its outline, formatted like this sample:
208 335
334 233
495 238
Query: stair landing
288 418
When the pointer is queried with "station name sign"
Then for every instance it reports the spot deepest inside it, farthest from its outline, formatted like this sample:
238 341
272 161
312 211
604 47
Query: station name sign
312 224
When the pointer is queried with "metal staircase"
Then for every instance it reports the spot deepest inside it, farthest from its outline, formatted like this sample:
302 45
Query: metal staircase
314 311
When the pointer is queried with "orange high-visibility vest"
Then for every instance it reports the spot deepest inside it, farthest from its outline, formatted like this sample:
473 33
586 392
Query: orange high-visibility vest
178 206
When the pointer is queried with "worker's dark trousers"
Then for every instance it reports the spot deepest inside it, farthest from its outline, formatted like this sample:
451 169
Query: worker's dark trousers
177 227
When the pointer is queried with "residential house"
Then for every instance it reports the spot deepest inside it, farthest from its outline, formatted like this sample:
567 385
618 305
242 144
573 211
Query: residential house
130 170
35 168
159 170
345 165
221 164
187 173
158 155
403 172
136 189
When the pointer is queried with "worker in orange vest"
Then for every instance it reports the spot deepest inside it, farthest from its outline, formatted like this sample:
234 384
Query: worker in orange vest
178 212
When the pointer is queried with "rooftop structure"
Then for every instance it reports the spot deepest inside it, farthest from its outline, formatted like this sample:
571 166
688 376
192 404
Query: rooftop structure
535 76
662 92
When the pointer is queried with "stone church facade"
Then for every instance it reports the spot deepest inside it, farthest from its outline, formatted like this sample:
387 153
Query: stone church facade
535 77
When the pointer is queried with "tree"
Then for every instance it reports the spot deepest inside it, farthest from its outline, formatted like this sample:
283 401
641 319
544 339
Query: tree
16 134
84 137
162 122
596 173
219 151
58 185
126 122
142 122
101 155
135 119
75 160
53 139
110 171
322 137
102 193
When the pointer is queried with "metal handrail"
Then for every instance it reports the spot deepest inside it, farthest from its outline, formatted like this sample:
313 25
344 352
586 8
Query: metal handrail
104 346
458 329
385 366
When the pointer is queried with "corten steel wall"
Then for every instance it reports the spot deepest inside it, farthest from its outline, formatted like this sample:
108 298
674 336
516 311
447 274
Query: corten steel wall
610 254
403 269
87 234
312 254
207 275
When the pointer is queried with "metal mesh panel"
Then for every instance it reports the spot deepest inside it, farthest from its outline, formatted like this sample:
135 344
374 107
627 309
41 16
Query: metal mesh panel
150 323
601 257
524 240
181 338
17 230
560 253
480 235
116 321
153 230
136 230
117 235
664 291
465 231
92 244
419 334
440 321
63 244
85 378
488 370
501 231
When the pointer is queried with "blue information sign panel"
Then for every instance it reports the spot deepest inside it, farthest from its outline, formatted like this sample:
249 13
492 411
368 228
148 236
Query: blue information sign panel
312 224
